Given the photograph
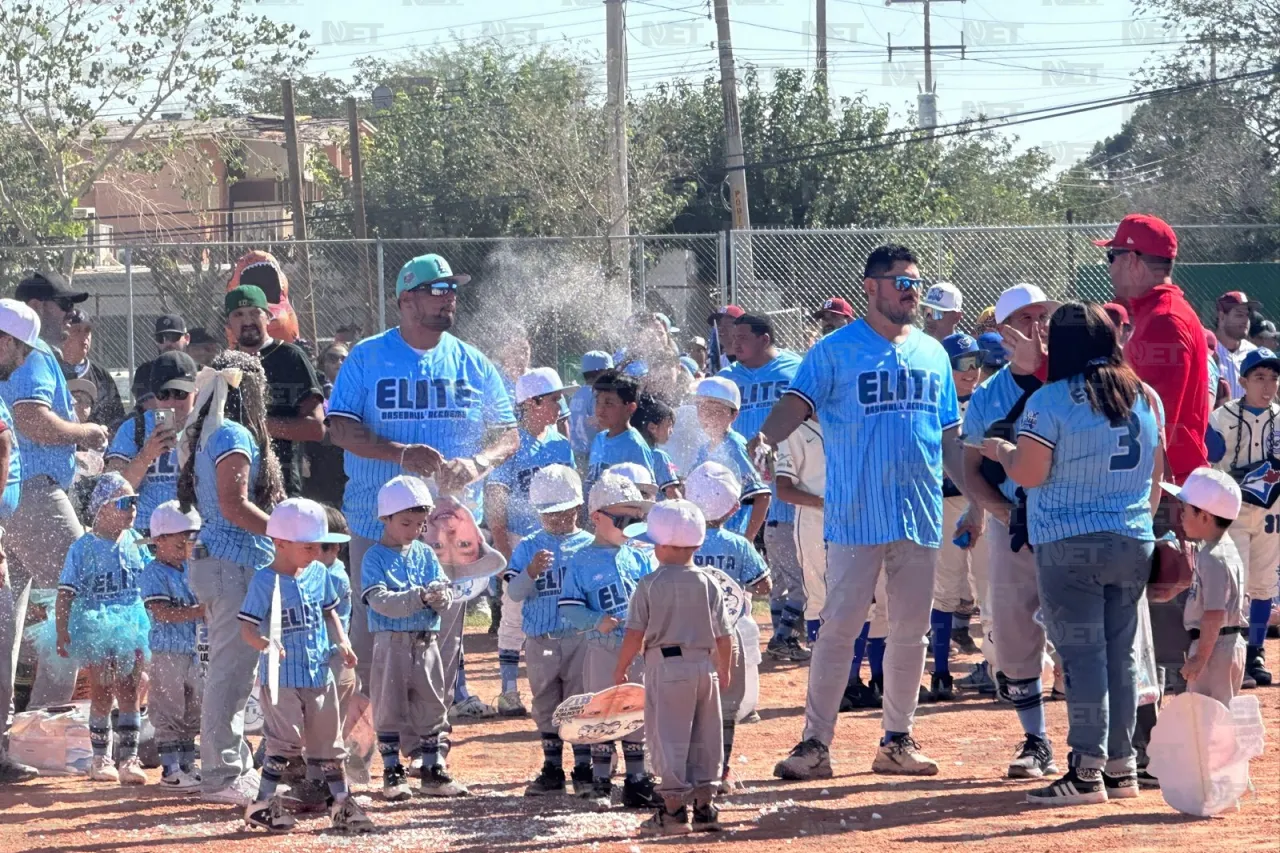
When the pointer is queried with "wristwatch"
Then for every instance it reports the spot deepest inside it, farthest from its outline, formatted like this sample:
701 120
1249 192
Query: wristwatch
482 462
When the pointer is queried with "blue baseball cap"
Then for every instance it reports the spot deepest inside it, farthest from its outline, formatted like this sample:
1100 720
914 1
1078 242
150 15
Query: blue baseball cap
636 369
992 346
959 344
426 270
689 365
596 360
1260 357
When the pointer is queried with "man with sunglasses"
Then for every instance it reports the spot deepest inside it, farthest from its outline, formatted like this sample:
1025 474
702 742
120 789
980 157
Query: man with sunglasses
944 306
171 335
108 409
51 299
885 397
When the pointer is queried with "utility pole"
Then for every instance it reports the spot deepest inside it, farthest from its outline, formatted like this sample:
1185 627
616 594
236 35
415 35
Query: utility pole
927 115
616 107
295 199
360 226
820 22
743 267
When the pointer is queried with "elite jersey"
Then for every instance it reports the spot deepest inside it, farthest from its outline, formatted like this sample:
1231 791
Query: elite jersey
13 480
731 452
665 472
732 554
160 483
760 388
598 581
303 602
802 460
541 609
220 537
40 380
1231 363
627 446
399 571
1100 477
447 397
883 408
342 586
100 572
991 402
515 475
167 584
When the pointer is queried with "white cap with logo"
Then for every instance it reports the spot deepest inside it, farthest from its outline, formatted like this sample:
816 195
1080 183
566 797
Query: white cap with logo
401 493
615 490
555 488
302 520
1020 296
714 489
169 518
721 390
638 474
539 382
1210 490
20 321
943 296
677 523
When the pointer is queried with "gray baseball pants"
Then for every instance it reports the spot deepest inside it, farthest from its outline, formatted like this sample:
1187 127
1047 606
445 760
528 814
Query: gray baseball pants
1221 676
682 715
555 669
174 705
1014 592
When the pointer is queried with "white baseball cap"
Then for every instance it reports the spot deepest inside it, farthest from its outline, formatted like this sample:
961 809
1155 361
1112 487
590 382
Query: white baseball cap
20 321
638 474
615 490
1020 296
302 520
538 382
714 489
1210 490
943 296
169 518
721 390
555 488
401 493
677 523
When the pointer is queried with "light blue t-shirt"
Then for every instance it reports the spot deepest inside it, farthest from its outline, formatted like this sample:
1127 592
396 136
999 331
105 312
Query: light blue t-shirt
1100 478
342 585
399 571
732 554
160 483
40 380
598 581
665 472
883 409
991 402
541 611
447 397
163 583
220 537
731 452
303 634
760 388
13 481
627 446
515 475
100 572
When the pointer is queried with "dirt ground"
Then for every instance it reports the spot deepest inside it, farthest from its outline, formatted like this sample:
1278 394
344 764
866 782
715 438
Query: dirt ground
966 804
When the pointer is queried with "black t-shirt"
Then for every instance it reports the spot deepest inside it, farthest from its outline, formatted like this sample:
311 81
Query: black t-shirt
291 380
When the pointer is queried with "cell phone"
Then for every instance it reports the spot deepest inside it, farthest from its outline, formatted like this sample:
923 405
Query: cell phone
164 418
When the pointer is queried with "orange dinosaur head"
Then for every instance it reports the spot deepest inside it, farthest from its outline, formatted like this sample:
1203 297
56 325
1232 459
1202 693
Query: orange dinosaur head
263 270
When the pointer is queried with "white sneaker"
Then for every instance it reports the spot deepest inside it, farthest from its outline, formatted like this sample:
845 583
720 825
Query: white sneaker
182 781
472 708
902 757
103 769
131 772
511 705
242 792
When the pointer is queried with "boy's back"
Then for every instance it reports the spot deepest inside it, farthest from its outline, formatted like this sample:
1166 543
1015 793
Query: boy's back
1217 583
679 606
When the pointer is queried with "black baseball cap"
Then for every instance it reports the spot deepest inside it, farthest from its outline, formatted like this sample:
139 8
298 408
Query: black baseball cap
173 370
170 324
200 335
38 286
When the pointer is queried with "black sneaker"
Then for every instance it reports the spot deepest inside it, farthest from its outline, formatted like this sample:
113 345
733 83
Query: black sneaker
667 823
436 782
810 759
1122 787
1255 666
706 818
1034 759
1081 786
858 696
269 815
582 780
1146 780
549 781
346 816
395 785
307 797
601 795
941 687
963 641
638 794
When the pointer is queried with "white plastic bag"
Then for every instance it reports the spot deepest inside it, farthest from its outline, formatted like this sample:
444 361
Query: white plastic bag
1200 751
1144 650
749 631
53 741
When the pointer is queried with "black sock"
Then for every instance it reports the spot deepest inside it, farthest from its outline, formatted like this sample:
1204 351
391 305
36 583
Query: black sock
581 755
633 757
730 727
552 749
602 760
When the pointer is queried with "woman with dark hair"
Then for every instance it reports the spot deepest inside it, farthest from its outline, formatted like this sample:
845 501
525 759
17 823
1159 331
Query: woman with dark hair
229 471
1090 455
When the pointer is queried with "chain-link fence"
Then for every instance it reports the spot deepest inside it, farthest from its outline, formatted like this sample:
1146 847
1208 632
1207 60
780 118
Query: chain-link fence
790 273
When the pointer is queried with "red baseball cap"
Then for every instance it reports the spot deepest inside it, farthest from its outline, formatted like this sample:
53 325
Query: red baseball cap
835 305
1118 313
1232 298
731 311
1142 232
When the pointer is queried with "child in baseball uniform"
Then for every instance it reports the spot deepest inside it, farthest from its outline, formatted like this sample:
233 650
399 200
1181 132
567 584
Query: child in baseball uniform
1243 440
405 590
553 648
714 490
718 401
598 581
1215 615
303 718
800 479
617 396
677 618
539 395
176 679
343 676
655 420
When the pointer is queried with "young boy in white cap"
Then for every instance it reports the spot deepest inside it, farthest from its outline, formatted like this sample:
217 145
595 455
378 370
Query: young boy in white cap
539 396
303 719
677 617
1215 614
554 648
598 582
718 401
176 679
714 490
405 590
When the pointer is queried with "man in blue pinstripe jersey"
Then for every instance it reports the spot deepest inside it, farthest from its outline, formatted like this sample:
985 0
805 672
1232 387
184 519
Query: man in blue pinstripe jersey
885 397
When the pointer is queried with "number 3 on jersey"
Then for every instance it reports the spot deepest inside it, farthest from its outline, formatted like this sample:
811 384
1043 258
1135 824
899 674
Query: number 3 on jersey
1130 452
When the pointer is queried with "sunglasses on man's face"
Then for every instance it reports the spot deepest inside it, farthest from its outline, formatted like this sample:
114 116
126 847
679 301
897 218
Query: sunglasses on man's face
902 283
1112 254
65 305
439 288
168 338
172 394
125 503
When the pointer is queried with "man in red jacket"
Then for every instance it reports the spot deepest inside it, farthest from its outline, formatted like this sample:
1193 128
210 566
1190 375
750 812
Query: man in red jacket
1167 347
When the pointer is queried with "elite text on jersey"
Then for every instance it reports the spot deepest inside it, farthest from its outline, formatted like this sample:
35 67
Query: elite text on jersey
304 600
101 572
541 596
396 570
598 582
160 483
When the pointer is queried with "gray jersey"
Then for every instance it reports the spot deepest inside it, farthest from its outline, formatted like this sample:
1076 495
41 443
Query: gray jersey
678 606
1217 583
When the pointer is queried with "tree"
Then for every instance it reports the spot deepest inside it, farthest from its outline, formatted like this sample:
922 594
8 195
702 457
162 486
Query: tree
258 91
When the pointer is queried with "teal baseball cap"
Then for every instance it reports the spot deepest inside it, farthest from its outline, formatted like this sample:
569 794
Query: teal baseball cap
426 270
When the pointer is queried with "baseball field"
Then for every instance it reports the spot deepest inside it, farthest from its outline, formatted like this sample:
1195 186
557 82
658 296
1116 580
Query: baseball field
968 805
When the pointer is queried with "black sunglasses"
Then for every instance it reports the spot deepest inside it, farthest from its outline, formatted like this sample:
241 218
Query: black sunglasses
968 361
172 394
168 337
67 305
1112 254
621 521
